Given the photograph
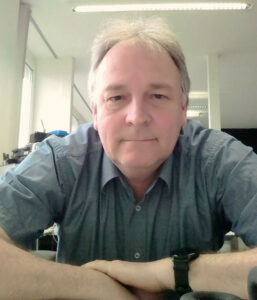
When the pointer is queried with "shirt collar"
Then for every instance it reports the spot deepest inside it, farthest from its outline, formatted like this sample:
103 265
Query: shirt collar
165 171
109 170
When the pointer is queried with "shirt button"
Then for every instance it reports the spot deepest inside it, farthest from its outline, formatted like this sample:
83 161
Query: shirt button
138 207
137 255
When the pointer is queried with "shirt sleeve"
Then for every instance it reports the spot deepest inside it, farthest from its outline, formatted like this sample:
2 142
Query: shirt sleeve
232 182
31 195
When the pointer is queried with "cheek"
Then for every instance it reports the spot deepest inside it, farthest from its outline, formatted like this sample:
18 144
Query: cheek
166 123
171 118
109 123
169 126
108 128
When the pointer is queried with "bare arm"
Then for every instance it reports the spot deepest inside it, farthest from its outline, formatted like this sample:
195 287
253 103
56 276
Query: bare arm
23 276
226 272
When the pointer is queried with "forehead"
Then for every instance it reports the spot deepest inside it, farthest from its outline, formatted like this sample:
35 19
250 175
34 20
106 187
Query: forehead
128 61
142 52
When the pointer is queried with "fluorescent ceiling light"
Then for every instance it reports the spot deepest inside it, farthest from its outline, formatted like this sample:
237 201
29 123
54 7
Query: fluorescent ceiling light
163 6
198 95
198 107
193 114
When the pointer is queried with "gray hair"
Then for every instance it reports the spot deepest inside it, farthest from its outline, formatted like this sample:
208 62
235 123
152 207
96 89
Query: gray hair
151 32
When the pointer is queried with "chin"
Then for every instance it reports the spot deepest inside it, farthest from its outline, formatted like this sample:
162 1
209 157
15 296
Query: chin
138 163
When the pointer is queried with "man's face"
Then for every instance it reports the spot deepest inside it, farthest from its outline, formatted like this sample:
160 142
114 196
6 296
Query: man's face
139 109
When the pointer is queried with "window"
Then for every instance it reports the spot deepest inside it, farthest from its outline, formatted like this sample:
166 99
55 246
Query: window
26 107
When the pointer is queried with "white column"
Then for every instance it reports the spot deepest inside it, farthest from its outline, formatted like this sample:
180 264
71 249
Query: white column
14 23
214 92
53 94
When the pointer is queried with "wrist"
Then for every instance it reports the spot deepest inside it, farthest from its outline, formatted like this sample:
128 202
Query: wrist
182 259
164 273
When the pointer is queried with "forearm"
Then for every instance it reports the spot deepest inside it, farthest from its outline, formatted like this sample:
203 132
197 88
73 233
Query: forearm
224 272
23 276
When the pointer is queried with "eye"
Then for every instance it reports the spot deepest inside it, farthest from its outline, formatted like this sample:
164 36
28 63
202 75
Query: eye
159 96
114 98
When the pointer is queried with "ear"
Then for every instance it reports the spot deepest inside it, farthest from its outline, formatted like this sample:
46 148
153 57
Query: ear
94 109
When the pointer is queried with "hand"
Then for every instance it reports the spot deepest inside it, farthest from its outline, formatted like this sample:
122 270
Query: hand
152 277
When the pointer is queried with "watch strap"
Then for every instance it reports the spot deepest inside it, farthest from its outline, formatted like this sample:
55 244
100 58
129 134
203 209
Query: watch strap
181 260
181 269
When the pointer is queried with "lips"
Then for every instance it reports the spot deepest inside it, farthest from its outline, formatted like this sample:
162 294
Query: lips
140 140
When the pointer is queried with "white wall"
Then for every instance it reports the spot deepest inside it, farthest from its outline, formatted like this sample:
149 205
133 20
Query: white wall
53 94
237 83
238 89
82 66
30 60
14 20
80 110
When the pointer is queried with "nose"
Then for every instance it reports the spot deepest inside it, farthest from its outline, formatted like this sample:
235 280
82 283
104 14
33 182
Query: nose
137 113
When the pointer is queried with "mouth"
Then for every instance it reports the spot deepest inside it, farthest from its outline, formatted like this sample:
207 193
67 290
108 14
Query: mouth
140 140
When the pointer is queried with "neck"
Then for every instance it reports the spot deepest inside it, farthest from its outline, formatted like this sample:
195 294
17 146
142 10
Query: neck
140 184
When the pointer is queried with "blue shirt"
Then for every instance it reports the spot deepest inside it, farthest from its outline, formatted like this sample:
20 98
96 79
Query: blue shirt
207 187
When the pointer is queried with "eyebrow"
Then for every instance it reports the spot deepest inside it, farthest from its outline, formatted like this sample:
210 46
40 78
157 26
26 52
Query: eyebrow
156 86
114 87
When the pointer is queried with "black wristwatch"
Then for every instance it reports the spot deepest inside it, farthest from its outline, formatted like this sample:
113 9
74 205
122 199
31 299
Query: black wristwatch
181 259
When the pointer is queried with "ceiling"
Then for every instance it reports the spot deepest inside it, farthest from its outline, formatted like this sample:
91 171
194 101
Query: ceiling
232 35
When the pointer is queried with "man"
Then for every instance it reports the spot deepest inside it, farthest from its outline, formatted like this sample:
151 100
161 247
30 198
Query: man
131 189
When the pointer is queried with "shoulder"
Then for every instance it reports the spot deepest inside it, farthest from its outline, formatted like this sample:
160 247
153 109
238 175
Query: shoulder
78 143
63 156
196 138
77 150
194 134
58 161
212 146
